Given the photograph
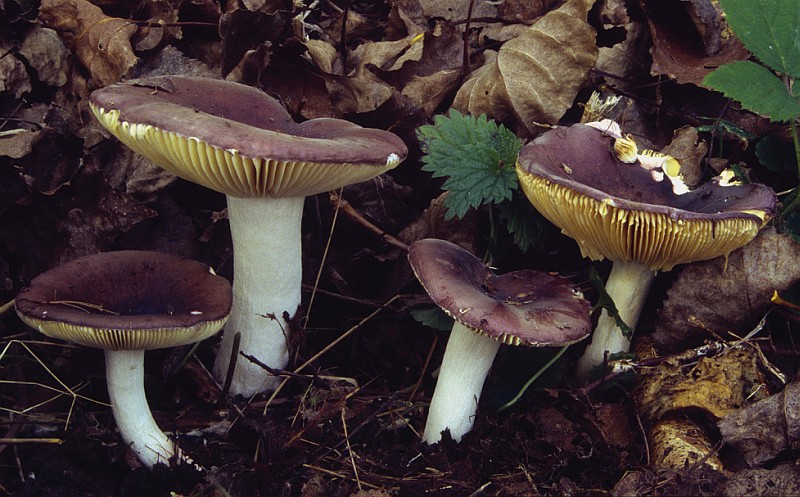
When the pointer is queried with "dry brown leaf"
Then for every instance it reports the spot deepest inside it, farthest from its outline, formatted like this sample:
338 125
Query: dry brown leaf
135 175
784 479
690 39
433 75
524 11
161 26
765 429
356 87
625 62
44 51
689 150
102 43
19 144
457 10
727 299
535 76
91 228
359 91
14 77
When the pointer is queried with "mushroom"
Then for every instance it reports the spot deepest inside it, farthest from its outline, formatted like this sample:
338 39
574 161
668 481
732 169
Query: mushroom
635 213
127 302
523 307
237 140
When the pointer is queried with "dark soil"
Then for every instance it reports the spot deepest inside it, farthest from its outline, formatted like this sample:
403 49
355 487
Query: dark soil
348 424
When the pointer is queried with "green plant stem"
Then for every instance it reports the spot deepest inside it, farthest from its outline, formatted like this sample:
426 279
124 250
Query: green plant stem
533 378
796 140
487 258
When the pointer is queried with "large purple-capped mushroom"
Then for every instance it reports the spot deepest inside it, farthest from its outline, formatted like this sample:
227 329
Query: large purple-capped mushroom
634 213
237 140
518 308
127 302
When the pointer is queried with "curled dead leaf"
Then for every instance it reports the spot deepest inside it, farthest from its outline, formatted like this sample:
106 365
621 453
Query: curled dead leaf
766 428
689 56
535 77
161 26
625 62
689 151
102 43
727 296
44 51
14 77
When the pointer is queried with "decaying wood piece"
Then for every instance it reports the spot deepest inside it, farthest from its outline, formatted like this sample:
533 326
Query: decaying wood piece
678 401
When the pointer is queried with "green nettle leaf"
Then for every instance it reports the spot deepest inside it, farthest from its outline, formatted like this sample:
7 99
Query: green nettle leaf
523 222
770 29
757 88
477 156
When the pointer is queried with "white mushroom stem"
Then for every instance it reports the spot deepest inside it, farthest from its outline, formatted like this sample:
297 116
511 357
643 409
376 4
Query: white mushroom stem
467 360
267 276
125 383
628 286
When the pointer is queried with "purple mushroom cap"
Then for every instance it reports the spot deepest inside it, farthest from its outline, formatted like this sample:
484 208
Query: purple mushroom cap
127 300
238 140
524 307
619 211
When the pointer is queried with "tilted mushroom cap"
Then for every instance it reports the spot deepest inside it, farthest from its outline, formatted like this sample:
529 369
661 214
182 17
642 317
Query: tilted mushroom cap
237 140
127 300
521 307
619 211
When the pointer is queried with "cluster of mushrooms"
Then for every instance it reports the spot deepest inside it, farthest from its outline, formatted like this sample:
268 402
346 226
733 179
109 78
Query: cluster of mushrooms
239 141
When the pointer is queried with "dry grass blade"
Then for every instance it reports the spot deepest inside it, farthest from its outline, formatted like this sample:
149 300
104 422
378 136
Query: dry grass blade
65 390
87 307
14 441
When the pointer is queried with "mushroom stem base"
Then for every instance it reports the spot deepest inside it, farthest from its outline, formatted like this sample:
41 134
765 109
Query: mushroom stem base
267 277
467 360
628 286
125 382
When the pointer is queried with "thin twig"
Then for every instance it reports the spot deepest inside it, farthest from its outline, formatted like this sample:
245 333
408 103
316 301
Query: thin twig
347 208
322 261
424 368
467 27
322 352
349 448
343 37
337 475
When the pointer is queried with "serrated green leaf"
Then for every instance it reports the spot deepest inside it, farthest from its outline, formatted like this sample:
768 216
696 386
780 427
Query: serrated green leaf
757 88
770 29
475 155
522 221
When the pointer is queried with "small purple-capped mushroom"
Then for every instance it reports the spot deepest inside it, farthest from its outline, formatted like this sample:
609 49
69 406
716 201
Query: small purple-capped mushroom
625 211
127 302
518 308
237 140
